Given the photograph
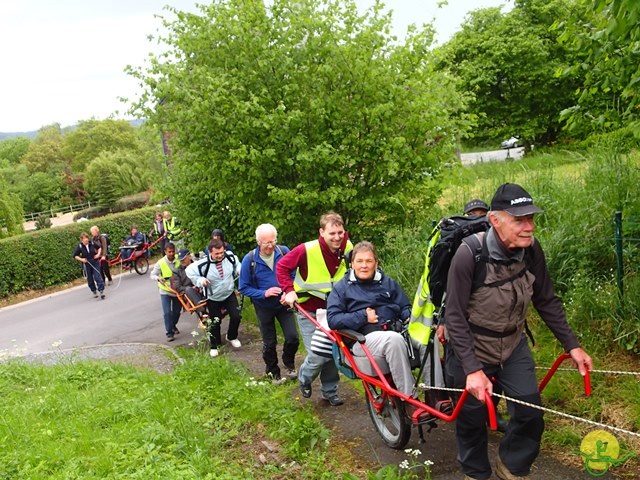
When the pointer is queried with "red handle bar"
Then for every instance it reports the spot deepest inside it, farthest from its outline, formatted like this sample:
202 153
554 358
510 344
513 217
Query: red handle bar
554 367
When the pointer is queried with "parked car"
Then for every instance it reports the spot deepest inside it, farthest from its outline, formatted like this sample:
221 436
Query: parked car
513 142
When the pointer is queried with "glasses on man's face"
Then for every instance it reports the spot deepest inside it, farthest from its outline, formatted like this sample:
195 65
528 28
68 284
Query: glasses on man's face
269 244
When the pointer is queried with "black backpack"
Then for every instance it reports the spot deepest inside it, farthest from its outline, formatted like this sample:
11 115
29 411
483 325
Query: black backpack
444 240
108 240
252 264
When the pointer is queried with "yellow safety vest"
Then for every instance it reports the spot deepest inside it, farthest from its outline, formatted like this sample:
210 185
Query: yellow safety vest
170 227
319 281
166 272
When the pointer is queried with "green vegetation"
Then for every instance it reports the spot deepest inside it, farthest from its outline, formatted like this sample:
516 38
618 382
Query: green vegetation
100 420
307 107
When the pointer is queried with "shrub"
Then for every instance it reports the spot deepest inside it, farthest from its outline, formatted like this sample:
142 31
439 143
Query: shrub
42 222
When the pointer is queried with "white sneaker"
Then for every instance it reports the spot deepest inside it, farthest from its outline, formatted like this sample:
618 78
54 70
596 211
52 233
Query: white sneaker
213 352
235 343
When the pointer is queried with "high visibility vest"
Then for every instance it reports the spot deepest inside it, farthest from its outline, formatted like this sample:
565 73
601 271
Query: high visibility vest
319 281
423 307
170 227
166 272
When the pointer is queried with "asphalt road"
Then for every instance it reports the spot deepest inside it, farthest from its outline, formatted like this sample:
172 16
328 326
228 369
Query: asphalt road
73 318
492 156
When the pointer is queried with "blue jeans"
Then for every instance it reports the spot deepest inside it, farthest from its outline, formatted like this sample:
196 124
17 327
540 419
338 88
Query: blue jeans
94 278
315 365
171 308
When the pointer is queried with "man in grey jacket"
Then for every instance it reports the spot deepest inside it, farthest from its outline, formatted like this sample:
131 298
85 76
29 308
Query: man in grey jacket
486 323
215 274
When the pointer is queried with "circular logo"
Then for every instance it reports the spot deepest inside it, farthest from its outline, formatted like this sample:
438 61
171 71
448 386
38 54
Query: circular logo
599 448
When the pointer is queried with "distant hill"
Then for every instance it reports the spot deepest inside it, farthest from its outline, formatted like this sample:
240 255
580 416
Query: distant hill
4 135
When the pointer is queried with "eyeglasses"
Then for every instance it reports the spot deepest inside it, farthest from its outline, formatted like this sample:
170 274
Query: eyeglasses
269 244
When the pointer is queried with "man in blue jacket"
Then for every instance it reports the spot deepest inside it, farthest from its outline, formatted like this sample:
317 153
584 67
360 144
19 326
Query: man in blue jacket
258 282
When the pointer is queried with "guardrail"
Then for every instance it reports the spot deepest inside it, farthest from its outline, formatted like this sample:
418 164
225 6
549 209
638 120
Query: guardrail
30 217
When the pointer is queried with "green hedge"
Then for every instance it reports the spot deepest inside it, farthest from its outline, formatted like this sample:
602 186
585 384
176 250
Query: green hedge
43 258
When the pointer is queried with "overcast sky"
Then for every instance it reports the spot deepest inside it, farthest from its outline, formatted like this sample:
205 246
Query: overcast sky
64 60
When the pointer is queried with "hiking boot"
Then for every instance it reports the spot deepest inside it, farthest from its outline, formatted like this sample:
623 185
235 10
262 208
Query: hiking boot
102 295
305 390
334 400
176 331
95 294
170 338
213 352
235 343
291 373
503 473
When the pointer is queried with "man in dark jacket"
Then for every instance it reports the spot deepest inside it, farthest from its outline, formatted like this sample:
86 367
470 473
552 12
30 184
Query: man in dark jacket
486 323
258 282
87 254
365 300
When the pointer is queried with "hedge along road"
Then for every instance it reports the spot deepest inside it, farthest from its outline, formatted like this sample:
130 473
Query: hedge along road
132 313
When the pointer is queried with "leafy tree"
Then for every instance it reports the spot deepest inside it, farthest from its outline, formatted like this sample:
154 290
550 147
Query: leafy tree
41 192
13 149
509 61
92 137
116 174
11 213
606 33
281 114
45 151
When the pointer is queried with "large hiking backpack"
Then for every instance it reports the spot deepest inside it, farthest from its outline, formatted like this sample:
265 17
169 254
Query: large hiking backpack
108 240
443 243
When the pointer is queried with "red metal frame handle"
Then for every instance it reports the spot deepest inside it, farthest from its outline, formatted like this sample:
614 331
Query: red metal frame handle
554 368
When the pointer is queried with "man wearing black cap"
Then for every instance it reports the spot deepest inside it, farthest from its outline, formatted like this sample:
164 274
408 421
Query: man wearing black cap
476 207
486 322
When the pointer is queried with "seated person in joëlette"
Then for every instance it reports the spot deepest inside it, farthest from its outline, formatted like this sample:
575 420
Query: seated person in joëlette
365 300
134 240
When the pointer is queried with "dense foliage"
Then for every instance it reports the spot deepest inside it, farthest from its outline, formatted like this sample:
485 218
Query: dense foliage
509 62
280 114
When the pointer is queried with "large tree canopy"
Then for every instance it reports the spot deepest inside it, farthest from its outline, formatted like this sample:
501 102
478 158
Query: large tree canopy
510 63
279 114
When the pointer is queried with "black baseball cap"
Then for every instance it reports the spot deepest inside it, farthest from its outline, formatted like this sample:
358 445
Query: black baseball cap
475 204
514 200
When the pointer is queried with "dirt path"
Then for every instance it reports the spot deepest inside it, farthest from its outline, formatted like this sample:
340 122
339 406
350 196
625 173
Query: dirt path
354 431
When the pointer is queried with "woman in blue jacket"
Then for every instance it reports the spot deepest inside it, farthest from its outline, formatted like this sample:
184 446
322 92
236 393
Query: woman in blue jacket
365 300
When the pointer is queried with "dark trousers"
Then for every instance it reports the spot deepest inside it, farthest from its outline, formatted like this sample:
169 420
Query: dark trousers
215 312
266 321
105 271
521 443
94 278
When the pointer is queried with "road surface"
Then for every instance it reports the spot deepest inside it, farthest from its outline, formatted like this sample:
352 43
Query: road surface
73 318
492 156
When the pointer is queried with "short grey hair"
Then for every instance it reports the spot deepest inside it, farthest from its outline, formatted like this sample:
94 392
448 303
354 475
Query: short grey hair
265 228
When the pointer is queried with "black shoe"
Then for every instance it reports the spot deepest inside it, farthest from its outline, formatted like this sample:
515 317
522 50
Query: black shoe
95 294
305 390
334 400
176 331
170 338
102 295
